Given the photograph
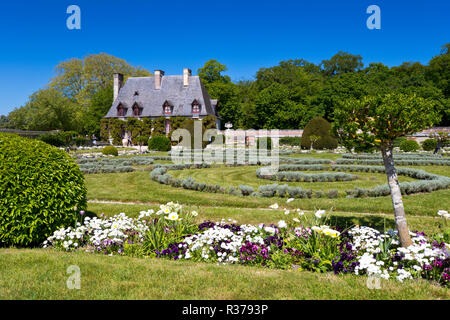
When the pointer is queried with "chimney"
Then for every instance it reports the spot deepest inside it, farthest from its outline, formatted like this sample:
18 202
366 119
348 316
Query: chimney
158 77
118 83
186 74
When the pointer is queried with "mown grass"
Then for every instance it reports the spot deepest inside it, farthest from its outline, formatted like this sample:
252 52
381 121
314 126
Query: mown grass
235 176
138 187
42 274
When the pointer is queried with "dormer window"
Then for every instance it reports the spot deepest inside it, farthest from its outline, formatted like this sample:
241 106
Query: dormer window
137 111
167 108
195 107
120 111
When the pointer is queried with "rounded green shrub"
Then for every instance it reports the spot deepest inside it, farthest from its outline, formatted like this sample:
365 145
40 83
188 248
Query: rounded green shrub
321 128
429 145
41 190
159 143
409 146
110 151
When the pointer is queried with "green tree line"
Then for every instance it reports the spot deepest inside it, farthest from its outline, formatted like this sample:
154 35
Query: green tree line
285 96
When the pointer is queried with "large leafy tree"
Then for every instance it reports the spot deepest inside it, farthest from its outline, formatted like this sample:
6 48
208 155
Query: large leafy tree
47 109
342 62
376 121
76 98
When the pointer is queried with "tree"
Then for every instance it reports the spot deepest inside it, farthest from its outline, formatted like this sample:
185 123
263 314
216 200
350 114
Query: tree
342 62
46 110
212 72
376 121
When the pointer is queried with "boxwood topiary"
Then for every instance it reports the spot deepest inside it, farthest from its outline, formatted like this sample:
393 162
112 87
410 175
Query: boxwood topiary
321 128
110 151
409 146
41 190
429 144
159 143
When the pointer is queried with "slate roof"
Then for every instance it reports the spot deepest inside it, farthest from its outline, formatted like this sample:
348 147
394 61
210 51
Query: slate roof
172 90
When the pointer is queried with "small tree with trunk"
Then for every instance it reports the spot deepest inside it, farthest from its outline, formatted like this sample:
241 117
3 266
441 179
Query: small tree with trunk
313 139
376 121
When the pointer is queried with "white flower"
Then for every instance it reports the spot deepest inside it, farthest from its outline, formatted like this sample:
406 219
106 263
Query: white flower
290 200
282 224
173 216
442 213
194 213
319 213
296 220
274 206
286 212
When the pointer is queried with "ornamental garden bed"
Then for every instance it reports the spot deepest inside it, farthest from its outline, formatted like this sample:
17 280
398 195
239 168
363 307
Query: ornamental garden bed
303 241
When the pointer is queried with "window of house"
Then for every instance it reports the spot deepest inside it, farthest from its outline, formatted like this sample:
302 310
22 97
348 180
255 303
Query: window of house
195 107
167 108
120 111
137 111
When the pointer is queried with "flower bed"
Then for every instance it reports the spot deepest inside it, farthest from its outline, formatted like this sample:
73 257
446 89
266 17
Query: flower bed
304 242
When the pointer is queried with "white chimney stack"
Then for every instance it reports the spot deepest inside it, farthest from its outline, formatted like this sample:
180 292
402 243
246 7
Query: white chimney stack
158 78
186 74
118 83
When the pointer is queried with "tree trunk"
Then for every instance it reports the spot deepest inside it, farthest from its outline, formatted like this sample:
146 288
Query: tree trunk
396 195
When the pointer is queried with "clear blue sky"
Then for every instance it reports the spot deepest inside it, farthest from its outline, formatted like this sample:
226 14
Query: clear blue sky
244 35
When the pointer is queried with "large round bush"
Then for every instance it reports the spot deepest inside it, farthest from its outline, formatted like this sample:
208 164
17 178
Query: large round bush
321 128
429 145
159 143
409 146
41 190
110 151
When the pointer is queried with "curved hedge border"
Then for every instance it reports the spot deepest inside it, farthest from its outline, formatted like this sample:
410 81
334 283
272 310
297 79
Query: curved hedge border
399 159
431 182
306 177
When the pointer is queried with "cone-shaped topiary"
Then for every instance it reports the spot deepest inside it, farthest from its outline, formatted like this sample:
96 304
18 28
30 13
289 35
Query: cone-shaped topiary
41 189
320 129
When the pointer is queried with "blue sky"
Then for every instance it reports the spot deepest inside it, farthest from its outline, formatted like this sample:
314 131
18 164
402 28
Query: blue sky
244 35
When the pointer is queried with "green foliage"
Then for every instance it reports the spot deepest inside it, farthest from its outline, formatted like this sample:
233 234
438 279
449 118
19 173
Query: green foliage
342 62
398 141
375 121
409 146
429 144
41 190
320 129
159 143
62 139
110 151
291 141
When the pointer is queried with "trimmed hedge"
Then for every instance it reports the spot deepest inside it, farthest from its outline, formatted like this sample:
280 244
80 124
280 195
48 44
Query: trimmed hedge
409 146
41 190
430 183
110 151
159 143
429 144
321 128
108 165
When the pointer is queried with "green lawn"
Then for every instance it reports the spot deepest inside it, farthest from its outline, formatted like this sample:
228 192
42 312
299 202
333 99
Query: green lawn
137 187
234 176
41 274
